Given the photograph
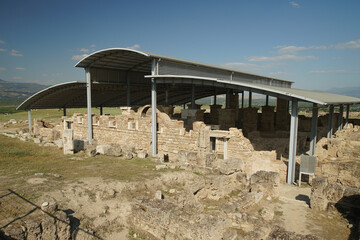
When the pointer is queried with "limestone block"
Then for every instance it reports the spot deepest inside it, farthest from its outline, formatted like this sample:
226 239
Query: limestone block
62 225
59 143
250 199
318 200
142 155
48 225
158 195
33 229
49 207
334 192
128 149
103 149
230 165
266 182
115 150
204 136
267 213
14 232
198 125
210 160
90 149
185 157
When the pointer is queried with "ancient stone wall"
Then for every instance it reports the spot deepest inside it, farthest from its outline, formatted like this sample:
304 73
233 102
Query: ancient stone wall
282 115
267 119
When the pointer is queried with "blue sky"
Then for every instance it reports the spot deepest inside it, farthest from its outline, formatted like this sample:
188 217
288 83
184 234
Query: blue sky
316 44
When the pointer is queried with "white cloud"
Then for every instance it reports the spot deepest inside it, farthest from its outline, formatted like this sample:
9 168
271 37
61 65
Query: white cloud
2 42
56 74
44 75
289 49
84 50
288 57
241 65
20 68
2 50
135 46
79 57
348 45
92 45
294 4
15 53
294 49
2 69
279 73
340 46
17 78
329 71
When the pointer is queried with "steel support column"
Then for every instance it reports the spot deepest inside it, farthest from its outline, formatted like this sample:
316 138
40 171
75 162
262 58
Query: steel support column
292 142
250 99
88 95
242 99
267 100
101 110
128 91
153 111
215 96
227 98
341 114
330 124
347 115
64 111
166 96
29 119
314 124
193 96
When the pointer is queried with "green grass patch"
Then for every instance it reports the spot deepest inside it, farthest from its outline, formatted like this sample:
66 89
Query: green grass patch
19 161
10 112
279 213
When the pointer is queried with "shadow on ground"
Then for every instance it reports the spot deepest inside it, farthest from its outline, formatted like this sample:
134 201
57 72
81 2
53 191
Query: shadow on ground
14 208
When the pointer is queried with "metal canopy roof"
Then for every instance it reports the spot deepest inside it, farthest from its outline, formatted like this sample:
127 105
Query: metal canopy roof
117 68
318 97
73 95
140 61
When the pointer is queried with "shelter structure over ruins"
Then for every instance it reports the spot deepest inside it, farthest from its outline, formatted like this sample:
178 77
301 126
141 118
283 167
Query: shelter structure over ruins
126 77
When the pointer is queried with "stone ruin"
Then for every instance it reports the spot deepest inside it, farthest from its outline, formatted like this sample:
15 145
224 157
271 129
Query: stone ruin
193 138
247 165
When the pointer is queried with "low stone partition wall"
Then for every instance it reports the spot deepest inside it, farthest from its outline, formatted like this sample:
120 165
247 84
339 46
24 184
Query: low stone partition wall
325 195
346 173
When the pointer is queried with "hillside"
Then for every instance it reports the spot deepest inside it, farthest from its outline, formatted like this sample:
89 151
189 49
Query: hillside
13 93
348 91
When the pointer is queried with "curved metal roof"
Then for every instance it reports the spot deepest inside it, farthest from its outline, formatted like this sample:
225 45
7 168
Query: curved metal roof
317 97
128 63
73 95
126 59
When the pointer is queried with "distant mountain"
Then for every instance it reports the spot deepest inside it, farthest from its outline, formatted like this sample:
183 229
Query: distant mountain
348 91
14 93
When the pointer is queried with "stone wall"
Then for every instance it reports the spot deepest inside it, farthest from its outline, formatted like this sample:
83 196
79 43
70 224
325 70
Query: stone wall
325 195
267 119
282 115
133 129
